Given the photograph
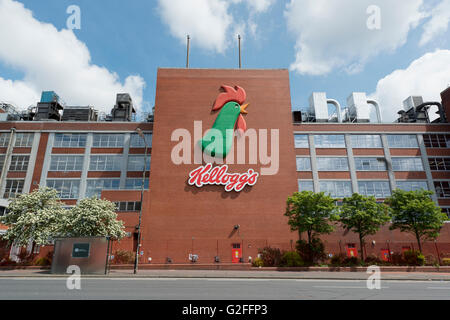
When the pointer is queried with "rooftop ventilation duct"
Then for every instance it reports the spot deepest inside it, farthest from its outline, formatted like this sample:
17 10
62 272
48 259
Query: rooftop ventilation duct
358 107
318 107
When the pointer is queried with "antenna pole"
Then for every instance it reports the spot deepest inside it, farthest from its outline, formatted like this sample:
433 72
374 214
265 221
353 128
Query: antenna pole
187 54
240 58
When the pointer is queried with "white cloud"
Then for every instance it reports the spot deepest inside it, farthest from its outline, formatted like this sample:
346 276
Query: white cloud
55 60
210 23
206 21
427 76
438 23
334 34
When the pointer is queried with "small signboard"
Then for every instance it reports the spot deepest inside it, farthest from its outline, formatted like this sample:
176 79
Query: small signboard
80 250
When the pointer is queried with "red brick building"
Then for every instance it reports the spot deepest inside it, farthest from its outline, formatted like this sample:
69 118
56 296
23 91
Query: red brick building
339 156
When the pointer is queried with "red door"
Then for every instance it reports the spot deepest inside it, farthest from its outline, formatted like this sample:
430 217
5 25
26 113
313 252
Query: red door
236 252
384 254
351 250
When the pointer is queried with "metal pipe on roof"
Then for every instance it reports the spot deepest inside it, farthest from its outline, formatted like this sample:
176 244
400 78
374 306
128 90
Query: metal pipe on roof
377 108
338 108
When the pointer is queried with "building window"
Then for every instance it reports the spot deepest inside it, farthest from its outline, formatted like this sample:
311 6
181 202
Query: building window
301 141
378 189
3 211
66 163
70 140
442 189
138 142
402 141
2 162
412 185
370 164
95 187
129 206
19 163
407 164
436 140
24 140
336 189
329 141
303 164
13 188
304 185
4 139
105 163
102 140
366 141
439 164
136 163
67 189
332 164
136 184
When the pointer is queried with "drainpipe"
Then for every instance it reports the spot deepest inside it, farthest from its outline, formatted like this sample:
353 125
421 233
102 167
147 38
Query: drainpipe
338 108
377 108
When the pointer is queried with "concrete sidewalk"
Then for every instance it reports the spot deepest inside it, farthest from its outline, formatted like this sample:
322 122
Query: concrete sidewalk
227 274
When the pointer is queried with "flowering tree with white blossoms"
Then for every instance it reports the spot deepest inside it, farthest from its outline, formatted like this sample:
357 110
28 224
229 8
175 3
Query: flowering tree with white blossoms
35 216
93 217
40 216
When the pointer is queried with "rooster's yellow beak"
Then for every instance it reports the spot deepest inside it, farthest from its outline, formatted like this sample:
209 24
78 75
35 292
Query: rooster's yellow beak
243 108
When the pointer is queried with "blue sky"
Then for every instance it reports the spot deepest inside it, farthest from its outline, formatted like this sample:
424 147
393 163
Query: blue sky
133 38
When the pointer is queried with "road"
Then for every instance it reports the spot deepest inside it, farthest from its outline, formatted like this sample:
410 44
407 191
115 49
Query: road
212 289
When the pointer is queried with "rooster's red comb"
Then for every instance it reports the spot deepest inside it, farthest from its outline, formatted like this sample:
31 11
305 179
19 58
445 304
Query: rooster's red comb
231 94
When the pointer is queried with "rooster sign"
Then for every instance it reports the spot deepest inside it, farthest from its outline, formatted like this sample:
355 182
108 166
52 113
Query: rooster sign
230 103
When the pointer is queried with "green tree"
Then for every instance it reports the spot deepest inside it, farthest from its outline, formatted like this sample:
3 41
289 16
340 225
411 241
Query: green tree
310 212
93 217
362 215
415 212
34 216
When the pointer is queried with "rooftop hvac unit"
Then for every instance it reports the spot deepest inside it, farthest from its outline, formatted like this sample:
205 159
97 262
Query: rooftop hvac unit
318 107
297 116
412 102
80 114
416 110
359 109
49 108
123 110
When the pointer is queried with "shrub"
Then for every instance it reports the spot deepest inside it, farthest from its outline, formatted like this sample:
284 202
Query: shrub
397 259
291 259
446 261
350 261
337 259
373 260
42 262
7 262
414 258
25 258
124 257
271 257
258 262
312 254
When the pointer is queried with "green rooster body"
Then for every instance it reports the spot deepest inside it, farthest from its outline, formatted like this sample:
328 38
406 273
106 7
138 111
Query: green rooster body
218 141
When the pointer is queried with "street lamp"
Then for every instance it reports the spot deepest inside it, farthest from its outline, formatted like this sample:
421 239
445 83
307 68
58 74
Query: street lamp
141 134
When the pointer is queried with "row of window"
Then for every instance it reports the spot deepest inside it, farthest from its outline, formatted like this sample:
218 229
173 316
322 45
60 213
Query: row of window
70 188
373 141
100 140
23 140
361 164
128 206
378 189
98 163
357 141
